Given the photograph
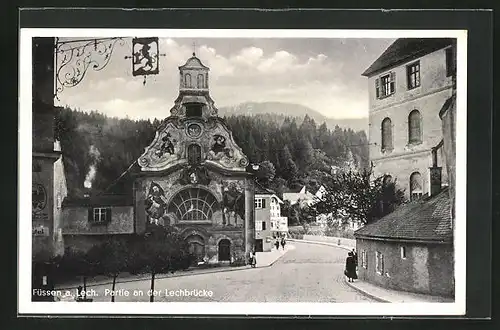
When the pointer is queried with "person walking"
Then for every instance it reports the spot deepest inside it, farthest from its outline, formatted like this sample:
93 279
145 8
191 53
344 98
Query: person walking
283 242
355 255
253 259
277 244
350 267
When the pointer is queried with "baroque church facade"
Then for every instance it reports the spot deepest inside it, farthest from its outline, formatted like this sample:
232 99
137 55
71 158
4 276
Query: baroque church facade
193 176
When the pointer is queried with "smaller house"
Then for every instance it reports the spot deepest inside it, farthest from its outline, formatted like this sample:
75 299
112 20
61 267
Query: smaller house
88 221
410 249
269 223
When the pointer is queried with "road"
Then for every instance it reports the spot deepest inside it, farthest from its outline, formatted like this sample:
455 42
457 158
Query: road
308 273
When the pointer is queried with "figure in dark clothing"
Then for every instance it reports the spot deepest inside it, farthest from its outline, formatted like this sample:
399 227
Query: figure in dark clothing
283 242
277 244
355 255
350 267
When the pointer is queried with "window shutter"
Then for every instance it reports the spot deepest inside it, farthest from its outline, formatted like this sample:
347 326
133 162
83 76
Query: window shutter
393 82
108 214
263 203
377 87
91 214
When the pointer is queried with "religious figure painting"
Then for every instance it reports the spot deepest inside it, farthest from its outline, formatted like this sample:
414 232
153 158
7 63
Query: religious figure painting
156 204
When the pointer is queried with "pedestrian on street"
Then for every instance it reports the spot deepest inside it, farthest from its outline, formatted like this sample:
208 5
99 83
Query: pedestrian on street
283 242
350 267
355 255
277 244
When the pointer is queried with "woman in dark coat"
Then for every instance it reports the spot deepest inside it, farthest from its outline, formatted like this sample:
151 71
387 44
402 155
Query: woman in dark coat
350 267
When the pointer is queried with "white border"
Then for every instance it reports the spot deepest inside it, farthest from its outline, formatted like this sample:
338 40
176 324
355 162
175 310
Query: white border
26 306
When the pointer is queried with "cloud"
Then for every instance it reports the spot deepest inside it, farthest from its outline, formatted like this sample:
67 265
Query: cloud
249 73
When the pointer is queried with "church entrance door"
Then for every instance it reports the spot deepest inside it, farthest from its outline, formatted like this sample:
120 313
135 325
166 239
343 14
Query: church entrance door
224 250
196 247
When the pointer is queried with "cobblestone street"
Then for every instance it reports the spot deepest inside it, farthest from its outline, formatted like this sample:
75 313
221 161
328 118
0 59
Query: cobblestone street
308 273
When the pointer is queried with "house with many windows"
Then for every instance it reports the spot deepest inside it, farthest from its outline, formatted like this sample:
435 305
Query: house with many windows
411 249
269 224
408 84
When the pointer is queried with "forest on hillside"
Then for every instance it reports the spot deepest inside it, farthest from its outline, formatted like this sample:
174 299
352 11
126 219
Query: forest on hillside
294 151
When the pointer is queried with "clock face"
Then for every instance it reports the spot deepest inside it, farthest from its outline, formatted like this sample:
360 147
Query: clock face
194 130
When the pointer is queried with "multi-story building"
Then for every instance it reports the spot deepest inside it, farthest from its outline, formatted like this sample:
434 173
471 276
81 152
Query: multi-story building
48 179
269 224
408 85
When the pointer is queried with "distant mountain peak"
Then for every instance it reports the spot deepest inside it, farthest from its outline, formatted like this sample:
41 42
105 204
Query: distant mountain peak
292 110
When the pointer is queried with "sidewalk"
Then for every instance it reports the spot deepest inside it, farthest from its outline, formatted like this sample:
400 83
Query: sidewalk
392 296
345 247
264 259
379 293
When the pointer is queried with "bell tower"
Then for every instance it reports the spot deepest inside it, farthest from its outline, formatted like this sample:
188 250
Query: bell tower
194 100
193 76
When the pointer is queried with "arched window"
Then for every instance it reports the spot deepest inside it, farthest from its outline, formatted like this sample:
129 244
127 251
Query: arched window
201 81
416 186
187 80
194 154
387 134
414 127
193 204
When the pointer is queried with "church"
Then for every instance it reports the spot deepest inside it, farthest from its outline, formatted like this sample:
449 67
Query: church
192 176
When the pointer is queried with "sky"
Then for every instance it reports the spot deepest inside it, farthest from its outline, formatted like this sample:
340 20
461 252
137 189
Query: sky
323 74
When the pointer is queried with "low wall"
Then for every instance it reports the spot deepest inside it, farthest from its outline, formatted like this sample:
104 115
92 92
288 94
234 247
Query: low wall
330 239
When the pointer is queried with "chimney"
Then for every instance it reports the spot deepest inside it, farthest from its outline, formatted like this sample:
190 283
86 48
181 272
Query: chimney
435 171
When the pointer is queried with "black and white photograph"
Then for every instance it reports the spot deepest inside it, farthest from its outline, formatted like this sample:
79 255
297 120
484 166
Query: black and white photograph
256 172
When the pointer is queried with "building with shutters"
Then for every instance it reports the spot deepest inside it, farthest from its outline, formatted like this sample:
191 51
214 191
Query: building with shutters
408 85
192 176
269 224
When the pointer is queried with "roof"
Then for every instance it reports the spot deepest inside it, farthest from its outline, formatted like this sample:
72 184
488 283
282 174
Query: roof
428 219
260 190
404 50
99 200
193 63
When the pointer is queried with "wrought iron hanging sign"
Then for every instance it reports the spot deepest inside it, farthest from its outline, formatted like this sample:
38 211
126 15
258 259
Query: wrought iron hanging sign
75 57
145 56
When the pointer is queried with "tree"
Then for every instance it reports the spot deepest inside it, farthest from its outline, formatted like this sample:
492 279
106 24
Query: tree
290 168
114 259
266 173
159 250
354 196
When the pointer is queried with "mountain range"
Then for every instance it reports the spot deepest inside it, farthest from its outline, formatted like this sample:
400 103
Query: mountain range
277 110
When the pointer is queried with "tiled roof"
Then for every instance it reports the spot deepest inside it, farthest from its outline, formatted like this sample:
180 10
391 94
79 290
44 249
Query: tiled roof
406 49
262 191
428 219
99 200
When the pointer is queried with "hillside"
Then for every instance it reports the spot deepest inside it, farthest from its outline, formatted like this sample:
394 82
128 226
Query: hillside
278 111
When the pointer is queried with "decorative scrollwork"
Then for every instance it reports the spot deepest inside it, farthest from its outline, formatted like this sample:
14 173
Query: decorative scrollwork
74 58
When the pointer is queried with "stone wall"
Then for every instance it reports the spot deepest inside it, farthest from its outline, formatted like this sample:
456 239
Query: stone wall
427 268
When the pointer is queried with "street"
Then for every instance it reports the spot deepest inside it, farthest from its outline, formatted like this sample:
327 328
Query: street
308 273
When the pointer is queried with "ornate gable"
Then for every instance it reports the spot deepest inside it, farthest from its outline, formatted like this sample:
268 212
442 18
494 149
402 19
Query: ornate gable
193 142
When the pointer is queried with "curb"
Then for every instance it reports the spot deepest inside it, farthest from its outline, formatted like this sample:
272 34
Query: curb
369 295
321 243
232 269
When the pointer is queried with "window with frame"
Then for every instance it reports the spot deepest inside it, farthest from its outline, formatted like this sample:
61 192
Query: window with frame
414 127
259 202
379 263
416 190
100 215
364 262
403 252
194 154
385 85
387 134
187 80
413 75
200 81
263 225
